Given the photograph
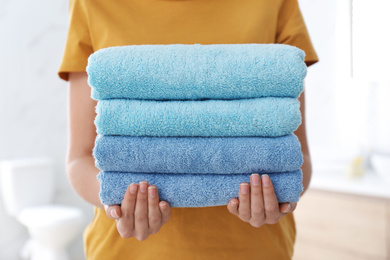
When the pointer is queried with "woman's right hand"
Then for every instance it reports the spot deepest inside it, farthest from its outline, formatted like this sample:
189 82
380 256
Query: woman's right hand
141 213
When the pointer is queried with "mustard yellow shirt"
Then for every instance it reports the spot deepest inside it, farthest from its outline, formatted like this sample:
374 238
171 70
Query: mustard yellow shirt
191 233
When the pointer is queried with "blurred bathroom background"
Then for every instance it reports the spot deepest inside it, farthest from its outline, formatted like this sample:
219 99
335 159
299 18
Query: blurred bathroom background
348 121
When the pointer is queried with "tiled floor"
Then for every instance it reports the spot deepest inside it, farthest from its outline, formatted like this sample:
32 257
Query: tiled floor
334 226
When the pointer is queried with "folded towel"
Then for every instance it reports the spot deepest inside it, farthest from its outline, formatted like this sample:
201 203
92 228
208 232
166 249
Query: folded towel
202 155
245 117
195 190
178 71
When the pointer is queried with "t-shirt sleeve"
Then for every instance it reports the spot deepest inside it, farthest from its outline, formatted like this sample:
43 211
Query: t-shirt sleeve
78 44
291 30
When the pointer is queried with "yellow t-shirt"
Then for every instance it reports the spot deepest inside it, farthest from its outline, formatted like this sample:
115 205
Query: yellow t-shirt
191 233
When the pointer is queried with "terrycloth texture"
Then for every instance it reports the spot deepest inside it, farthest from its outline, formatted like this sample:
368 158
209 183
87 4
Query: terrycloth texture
195 190
216 71
202 155
246 117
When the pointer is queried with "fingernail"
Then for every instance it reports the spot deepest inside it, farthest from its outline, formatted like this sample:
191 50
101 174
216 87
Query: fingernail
152 191
244 188
255 179
163 205
143 186
133 188
266 180
113 213
288 208
233 203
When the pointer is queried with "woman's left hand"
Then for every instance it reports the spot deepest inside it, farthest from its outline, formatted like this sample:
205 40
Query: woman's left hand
257 204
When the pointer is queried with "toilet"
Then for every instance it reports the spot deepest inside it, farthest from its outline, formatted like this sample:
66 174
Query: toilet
27 187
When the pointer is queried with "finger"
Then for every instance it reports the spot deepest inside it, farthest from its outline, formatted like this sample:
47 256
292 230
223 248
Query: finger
165 212
287 207
113 211
284 207
125 224
153 210
141 221
257 201
271 204
293 206
244 210
233 206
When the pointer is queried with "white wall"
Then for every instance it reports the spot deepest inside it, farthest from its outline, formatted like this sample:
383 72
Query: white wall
33 100
371 67
320 18
347 111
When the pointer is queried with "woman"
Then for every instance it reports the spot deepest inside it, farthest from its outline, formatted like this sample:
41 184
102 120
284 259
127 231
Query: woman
254 226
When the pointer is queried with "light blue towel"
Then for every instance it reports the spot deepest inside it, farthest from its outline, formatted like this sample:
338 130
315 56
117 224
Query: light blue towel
246 117
202 155
216 71
195 190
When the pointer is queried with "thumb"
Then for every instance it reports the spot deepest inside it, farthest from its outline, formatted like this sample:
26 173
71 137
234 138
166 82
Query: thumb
113 211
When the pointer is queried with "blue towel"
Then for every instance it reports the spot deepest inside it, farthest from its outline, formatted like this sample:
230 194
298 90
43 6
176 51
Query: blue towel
216 71
202 155
269 117
195 190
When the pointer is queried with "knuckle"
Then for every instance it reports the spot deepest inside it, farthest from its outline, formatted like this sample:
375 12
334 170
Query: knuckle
272 208
126 214
258 211
132 197
155 230
166 211
269 192
154 219
140 218
142 237
153 202
255 191
244 216
166 214
256 224
244 196
125 233
231 209
141 199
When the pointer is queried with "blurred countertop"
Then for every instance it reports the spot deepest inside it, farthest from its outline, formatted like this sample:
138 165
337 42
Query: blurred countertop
335 179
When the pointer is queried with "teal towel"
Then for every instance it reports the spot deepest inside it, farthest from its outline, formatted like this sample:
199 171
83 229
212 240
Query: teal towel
201 155
195 190
268 117
179 71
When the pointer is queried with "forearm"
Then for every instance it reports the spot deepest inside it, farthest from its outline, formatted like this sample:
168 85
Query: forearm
306 171
82 133
82 176
302 136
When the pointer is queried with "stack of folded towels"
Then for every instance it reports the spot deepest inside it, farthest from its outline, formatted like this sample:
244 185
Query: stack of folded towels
197 120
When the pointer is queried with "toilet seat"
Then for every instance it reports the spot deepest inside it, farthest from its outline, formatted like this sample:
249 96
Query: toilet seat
49 215
51 227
